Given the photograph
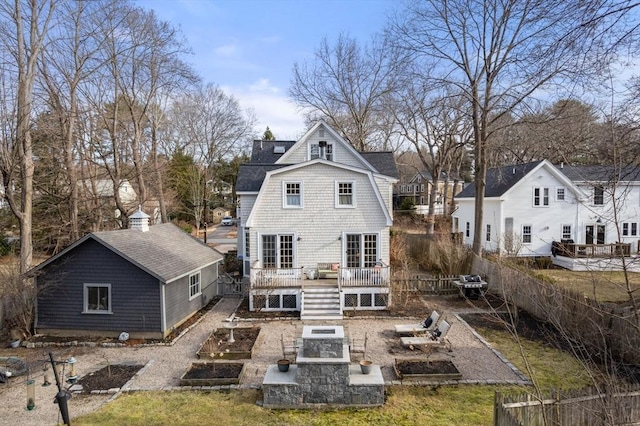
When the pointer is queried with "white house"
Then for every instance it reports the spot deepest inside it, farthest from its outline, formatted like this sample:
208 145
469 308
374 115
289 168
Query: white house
316 208
528 207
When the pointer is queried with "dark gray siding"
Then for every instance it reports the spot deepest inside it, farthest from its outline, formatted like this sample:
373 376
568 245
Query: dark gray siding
135 294
177 303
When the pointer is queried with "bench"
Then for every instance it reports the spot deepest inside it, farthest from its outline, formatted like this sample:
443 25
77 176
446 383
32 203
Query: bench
328 269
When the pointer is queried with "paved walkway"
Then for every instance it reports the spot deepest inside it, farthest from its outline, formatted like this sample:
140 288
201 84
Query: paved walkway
164 365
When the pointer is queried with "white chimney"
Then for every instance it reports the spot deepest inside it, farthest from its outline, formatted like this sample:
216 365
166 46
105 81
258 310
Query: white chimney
139 220
322 146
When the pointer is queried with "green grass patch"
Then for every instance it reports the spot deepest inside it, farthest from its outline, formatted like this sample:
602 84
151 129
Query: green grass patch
604 286
552 368
463 405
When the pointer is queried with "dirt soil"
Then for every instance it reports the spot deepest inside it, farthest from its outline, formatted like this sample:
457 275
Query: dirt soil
214 370
245 338
426 367
114 376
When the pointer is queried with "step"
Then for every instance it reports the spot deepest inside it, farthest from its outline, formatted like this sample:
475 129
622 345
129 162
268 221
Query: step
321 301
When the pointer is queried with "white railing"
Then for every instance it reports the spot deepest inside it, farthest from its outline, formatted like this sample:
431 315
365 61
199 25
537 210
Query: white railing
377 276
276 277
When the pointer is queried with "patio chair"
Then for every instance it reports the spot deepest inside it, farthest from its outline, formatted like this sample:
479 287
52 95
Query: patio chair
435 338
419 328
359 346
288 348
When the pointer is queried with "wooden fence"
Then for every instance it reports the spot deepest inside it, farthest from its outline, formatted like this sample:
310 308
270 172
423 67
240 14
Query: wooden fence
426 285
601 327
589 407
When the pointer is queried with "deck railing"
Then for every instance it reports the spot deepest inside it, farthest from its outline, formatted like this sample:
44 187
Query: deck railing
276 277
377 276
591 250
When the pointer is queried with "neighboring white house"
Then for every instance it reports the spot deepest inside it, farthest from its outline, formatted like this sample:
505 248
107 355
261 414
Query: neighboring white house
529 206
418 188
316 208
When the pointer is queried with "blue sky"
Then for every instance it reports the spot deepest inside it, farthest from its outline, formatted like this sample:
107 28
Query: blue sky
248 47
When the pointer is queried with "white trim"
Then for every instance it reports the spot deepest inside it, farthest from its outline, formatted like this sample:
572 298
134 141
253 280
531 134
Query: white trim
336 185
530 233
564 193
85 299
163 307
285 205
197 274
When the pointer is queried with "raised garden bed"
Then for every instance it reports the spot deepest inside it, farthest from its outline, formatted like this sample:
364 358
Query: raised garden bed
213 374
109 377
217 346
415 370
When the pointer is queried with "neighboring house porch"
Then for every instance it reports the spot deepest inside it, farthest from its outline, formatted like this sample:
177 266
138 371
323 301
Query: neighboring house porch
595 257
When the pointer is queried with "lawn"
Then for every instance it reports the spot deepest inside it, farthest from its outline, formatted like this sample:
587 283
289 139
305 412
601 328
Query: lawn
608 286
405 405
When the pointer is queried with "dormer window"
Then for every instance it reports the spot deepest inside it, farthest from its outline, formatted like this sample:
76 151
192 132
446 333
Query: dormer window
322 149
278 149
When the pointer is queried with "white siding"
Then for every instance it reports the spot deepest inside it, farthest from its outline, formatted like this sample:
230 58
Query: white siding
319 225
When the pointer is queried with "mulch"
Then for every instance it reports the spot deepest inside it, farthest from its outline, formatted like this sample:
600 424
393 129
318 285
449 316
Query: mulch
110 377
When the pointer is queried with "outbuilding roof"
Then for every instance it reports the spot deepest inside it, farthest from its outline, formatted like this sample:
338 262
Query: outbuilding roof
164 251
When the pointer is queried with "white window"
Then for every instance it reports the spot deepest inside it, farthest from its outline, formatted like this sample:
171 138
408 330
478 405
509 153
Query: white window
468 230
315 151
540 197
566 232
598 195
194 285
634 229
422 187
560 193
345 192
526 234
488 233
97 298
292 194
625 229
422 200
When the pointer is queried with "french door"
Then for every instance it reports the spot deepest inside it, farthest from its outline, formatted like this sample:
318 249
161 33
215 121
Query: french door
277 251
361 250
594 234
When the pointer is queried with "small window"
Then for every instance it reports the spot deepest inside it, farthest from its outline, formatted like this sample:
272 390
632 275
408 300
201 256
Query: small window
468 230
488 233
634 229
566 232
540 197
194 285
344 194
598 195
526 234
316 153
625 229
560 193
97 298
292 194
422 187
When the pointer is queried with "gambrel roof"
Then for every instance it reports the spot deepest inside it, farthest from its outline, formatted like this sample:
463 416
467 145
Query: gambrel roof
164 251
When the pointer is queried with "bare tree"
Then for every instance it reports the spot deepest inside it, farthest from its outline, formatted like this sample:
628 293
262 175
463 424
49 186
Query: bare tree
346 84
210 126
435 124
23 28
497 54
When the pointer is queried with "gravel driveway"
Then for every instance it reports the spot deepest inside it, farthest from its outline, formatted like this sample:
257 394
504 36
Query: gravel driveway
165 364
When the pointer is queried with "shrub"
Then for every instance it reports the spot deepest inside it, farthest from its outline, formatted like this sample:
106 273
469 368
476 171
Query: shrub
439 255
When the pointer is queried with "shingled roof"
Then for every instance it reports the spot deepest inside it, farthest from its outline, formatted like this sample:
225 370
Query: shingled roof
383 162
164 251
268 152
500 180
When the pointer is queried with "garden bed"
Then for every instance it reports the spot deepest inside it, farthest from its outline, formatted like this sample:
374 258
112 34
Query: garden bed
213 374
217 345
414 370
109 377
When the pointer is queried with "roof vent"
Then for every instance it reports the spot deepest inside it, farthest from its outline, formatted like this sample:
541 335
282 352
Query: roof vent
278 149
139 220
513 171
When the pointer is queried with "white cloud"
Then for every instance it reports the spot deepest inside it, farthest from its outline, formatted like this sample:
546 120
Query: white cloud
272 108
226 50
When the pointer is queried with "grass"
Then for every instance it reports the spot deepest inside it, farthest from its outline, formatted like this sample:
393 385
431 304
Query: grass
552 368
464 405
405 405
608 286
